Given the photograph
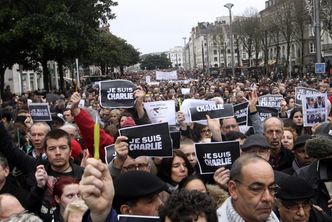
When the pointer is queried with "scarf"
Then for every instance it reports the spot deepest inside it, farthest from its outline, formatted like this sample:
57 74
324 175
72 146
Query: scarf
233 216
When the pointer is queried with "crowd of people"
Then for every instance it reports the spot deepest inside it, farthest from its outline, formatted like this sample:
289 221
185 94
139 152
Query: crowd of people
48 173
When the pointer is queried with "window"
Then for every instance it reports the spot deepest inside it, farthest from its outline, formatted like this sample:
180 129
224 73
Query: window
215 52
215 59
312 47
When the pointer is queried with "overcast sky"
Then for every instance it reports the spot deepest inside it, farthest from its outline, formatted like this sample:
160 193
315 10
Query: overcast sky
159 25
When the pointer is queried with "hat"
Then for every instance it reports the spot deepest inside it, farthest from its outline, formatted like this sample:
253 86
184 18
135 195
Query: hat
301 140
325 129
254 141
319 147
58 117
133 185
128 122
294 188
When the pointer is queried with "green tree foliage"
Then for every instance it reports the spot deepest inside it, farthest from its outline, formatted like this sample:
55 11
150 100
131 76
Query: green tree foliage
151 62
52 30
109 51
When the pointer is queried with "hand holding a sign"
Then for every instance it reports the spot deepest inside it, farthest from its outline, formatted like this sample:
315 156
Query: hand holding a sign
121 150
214 126
221 177
181 120
139 96
96 189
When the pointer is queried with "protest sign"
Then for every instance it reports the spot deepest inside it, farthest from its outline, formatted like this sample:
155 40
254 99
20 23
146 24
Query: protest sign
270 101
212 156
136 218
264 113
166 75
109 153
161 111
214 111
40 112
188 103
82 103
185 91
117 93
241 113
314 109
299 91
148 140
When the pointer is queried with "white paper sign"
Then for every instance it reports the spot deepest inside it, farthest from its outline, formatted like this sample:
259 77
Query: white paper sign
161 111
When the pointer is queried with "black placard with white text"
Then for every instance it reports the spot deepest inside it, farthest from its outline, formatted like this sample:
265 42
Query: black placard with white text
215 111
40 112
212 156
117 93
241 113
264 113
270 101
148 140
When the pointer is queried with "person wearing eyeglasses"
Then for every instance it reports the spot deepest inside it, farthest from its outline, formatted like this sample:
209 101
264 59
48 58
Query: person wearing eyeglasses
294 201
252 190
122 162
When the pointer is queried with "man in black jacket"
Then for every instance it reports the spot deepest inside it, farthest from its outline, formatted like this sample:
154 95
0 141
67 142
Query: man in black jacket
57 150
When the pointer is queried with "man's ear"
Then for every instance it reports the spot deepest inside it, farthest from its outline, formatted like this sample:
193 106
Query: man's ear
125 209
232 189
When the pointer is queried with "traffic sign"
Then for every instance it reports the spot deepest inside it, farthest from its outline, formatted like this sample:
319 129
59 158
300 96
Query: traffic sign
320 68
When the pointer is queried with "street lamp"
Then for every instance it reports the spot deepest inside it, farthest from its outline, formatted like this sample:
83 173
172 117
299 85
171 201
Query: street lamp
184 53
229 6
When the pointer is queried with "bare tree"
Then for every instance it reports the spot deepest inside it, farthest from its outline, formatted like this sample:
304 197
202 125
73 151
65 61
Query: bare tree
326 16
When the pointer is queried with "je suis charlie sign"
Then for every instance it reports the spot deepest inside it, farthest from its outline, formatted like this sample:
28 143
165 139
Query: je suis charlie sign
148 140
117 93
212 156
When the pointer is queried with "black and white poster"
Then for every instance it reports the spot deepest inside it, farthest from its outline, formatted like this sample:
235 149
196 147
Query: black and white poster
215 111
40 112
270 101
117 93
212 156
302 91
314 109
264 113
109 153
148 140
241 113
136 218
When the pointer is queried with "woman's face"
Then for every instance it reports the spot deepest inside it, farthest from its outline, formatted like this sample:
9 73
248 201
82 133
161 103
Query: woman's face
298 119
114 118
288 140
205 133
69 194
179 170
196 184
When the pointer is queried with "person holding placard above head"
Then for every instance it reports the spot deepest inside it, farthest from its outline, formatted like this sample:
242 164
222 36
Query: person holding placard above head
86 125
123 162
201 133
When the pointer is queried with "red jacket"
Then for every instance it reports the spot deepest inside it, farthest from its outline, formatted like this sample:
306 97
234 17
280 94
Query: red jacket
86 126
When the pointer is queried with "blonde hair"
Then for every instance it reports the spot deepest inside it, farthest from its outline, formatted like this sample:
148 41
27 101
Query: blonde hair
75 206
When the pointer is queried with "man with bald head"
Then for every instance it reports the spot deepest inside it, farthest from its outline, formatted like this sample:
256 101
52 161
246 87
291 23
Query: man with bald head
280 158
9 205
252 191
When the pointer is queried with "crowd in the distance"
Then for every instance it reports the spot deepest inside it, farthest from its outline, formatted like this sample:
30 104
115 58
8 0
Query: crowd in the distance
48 173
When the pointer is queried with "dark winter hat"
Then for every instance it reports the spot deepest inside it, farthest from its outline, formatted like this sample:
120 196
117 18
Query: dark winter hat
294 188
319 147
133 185
301 140
256 140
325 129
